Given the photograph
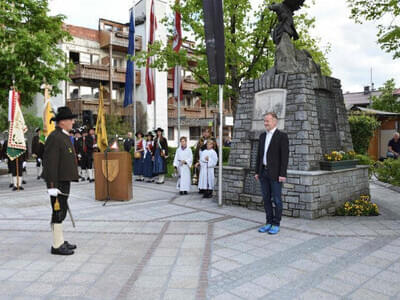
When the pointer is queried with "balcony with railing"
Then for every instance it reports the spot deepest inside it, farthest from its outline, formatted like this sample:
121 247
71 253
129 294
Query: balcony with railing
101 73
189 83
119 40
80 104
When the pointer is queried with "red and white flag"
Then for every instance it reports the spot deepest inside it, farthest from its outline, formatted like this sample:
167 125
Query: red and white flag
150 84
176 46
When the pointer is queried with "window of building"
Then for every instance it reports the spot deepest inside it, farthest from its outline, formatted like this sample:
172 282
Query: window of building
108 27
74 57
73 92
86 92
171 133
95 59
114 94
84 58
194 133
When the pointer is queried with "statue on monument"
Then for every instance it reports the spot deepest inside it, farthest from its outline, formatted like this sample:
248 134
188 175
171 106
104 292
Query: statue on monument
288 59
285 11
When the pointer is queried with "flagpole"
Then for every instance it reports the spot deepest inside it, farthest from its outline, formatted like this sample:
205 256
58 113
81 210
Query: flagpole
221 120
178 87
155 97
134 114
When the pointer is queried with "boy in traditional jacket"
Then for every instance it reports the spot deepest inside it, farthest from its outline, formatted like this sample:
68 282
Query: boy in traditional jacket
208 160
182 163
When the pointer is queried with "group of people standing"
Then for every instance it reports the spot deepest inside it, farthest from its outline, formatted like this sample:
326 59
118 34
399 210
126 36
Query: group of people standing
85 145
151 153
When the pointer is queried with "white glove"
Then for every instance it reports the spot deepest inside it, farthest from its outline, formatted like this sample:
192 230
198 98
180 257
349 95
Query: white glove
79 156
95 146
24 164
39 160
53 192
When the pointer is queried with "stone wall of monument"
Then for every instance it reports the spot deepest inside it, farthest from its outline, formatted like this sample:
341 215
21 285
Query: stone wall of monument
307 195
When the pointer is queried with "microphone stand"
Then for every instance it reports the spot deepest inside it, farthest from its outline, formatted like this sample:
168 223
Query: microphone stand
108 183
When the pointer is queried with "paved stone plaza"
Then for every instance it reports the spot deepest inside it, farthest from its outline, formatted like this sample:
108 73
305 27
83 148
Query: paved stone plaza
164 246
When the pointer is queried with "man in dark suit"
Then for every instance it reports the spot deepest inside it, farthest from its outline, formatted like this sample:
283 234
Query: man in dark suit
271 168
59 169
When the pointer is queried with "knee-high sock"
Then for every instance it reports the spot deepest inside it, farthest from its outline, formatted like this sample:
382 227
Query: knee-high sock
11 178
17 180
38 171
91 174
58 236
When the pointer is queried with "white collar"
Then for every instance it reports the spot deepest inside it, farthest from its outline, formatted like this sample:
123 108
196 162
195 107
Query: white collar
272 131
65 132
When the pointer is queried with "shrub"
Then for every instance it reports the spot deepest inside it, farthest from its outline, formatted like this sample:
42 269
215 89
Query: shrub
367 161
388 171
359 207
362 129
225 154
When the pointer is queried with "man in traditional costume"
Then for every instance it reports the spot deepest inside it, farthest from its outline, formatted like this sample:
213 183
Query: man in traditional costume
59 169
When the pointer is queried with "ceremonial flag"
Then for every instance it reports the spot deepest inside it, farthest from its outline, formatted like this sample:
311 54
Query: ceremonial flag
130 64
101 131
48 125
150 85
176 46
16 140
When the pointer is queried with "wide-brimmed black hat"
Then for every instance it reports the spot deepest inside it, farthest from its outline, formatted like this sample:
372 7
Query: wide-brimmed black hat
159 129
139 132
150 134
37 129
63 113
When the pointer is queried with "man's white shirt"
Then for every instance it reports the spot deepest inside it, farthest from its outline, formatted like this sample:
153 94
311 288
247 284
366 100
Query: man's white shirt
268 139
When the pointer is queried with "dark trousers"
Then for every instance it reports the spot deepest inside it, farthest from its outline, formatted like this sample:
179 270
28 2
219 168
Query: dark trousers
59 215
272 192
13 167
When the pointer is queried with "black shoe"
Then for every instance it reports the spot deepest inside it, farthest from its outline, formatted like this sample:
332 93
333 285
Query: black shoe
62 250
38 178
138 179
160 182
185 192
11 185
15 188
181 193
91 180
201 191
83 179
88 179
23 182
70 246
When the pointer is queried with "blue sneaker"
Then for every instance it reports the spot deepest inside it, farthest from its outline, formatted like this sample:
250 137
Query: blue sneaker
274 229
265 228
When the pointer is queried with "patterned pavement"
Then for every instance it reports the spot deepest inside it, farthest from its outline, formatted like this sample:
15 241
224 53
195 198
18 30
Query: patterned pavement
164 246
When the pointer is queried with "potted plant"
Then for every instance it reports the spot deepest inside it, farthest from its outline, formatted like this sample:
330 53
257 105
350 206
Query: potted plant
338 160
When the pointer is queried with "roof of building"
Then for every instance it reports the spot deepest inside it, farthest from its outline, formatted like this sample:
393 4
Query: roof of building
360 98
83 33
376 112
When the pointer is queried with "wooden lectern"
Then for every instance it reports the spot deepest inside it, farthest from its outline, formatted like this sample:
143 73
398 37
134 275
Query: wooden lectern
118 168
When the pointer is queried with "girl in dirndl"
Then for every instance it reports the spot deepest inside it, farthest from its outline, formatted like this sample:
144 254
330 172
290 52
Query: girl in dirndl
139 157
160 154
148 159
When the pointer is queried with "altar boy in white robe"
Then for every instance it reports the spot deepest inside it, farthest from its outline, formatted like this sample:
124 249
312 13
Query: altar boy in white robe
183 162
208 160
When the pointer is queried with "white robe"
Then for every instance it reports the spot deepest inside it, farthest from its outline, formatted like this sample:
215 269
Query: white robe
184 181
206 178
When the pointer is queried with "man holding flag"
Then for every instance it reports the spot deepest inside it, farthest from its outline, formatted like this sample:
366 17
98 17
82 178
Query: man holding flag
16 145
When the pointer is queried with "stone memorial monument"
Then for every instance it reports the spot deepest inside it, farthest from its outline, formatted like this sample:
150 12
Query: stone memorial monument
311 110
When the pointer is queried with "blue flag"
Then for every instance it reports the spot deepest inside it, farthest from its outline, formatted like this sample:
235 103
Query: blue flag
129 64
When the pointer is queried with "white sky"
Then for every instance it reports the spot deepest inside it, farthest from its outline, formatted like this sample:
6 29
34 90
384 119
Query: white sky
354 50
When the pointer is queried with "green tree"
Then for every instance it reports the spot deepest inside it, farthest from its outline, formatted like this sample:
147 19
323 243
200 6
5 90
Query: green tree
249 49
362 128
387 101
29 50
386 13
116 126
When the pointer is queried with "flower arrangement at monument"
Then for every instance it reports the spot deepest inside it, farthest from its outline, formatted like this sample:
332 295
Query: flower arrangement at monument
359 207
337 160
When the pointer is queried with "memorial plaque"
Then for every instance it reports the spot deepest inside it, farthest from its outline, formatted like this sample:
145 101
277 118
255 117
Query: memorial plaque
273 100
